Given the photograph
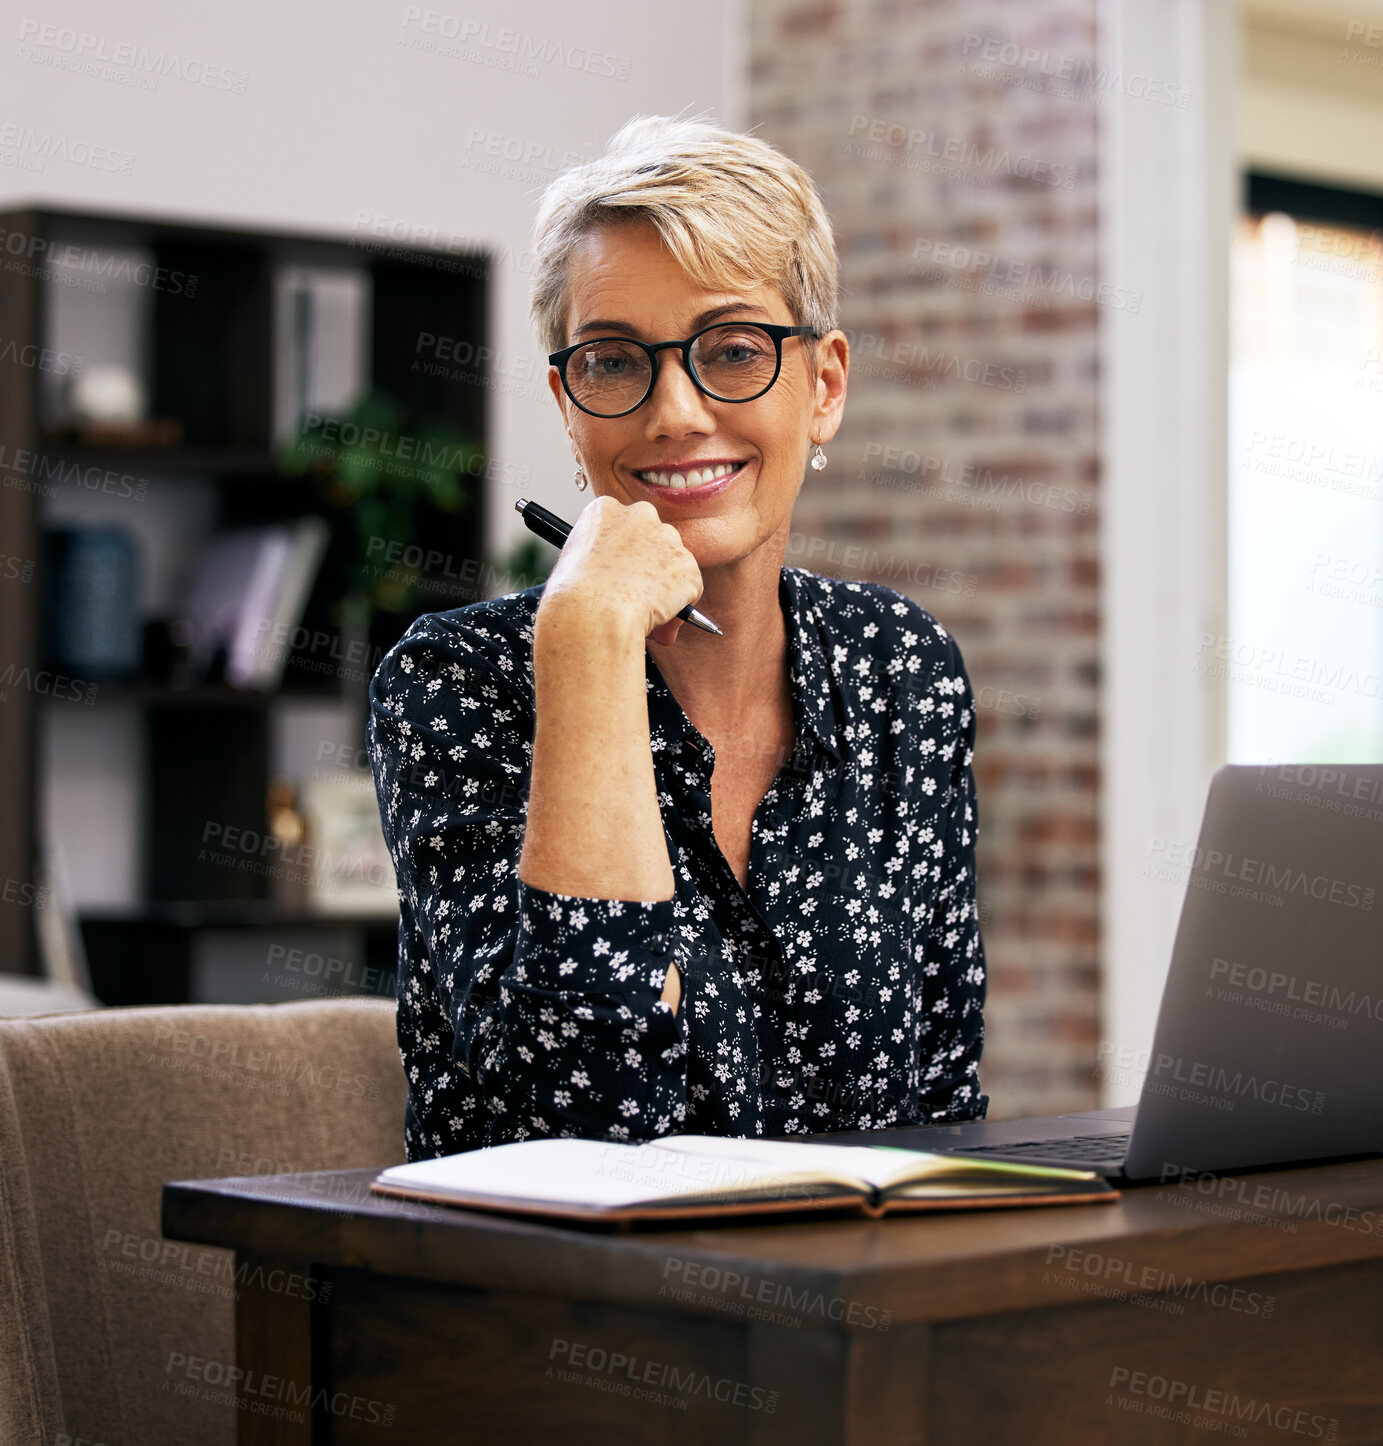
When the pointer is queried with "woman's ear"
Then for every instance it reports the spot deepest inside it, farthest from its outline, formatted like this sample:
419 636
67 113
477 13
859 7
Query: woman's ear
832 375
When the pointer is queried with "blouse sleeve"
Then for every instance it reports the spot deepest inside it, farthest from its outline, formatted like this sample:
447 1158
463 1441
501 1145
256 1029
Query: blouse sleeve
554 1000
955 962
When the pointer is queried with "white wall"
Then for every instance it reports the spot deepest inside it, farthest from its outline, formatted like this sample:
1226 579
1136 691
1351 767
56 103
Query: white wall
334 120
1168 194
342 118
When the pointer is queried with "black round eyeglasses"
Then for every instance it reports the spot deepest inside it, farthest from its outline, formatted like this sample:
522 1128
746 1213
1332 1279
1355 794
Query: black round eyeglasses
733 361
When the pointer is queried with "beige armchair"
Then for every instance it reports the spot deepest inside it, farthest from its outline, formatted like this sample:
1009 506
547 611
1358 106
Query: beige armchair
97 1111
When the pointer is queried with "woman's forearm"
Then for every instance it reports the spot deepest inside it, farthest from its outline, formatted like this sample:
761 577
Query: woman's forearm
594 827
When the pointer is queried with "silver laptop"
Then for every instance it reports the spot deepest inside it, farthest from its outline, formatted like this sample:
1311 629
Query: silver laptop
1269 1042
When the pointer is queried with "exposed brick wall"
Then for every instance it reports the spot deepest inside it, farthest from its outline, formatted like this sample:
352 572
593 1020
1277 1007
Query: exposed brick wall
966 472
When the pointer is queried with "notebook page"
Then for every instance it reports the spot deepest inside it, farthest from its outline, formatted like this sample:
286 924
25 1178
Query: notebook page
590 1174
975 1173
881 1166
862 1165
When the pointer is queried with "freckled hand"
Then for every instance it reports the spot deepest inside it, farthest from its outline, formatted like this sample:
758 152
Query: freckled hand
551 528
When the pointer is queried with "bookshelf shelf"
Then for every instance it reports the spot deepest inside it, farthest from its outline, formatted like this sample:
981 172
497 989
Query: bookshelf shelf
203 695
205 330
250 462
165 939
235 914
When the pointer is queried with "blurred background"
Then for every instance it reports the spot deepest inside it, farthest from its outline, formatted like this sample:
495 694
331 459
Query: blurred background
1113 278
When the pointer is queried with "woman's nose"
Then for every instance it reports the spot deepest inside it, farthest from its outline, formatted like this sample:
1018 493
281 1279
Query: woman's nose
676 404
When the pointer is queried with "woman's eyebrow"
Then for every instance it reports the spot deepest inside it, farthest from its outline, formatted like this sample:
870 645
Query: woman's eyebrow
604 328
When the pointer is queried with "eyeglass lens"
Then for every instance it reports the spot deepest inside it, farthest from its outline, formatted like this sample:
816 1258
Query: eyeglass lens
734 363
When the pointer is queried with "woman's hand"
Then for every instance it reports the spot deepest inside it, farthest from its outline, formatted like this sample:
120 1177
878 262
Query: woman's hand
593 826
623 558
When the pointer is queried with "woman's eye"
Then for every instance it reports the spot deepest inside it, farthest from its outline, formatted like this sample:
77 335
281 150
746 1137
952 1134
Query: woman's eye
606 364
736 353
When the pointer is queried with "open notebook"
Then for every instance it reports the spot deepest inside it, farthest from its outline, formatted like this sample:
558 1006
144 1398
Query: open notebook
690 1176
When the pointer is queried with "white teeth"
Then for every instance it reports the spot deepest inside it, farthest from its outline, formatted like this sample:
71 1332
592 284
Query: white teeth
693 477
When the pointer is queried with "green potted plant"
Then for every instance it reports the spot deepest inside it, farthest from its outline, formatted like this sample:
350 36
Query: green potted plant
389 482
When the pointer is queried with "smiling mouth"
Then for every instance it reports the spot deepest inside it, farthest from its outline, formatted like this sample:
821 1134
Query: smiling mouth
691 477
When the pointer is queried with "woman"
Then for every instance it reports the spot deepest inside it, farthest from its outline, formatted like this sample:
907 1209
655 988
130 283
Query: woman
652 879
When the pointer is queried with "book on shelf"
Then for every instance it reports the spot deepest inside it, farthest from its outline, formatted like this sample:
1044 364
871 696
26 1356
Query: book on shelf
681 1177
248 597
321 343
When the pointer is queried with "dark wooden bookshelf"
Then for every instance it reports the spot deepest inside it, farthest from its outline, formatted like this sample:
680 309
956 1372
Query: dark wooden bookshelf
233 914
210 384
136 692
249 462
162 937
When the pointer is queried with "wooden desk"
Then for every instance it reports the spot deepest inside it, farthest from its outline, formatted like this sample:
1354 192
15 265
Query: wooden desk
1254 1312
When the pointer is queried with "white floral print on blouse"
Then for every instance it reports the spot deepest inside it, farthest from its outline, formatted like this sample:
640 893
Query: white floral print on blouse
842 990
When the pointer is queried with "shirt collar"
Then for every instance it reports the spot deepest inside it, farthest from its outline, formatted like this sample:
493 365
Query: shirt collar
811 680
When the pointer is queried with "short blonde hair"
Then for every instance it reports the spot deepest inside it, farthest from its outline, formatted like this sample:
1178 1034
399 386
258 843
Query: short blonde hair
733 210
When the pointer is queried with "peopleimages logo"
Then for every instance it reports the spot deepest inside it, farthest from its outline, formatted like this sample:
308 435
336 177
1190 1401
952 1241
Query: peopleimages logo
1170 1070
914 146
31 470
259 849
630 1373
47 684
1238 1197
1356 786
40 358
1183 1397
227 1054
758 1297
1028 275
1080 73
55 260
262 1394
88 52
504 48
1280 878
1111 1270
1289 987
911 361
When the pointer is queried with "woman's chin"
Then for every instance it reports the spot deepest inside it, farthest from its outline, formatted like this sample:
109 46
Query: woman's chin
720 542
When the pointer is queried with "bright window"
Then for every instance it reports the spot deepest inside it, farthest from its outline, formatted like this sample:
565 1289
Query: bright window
1304 653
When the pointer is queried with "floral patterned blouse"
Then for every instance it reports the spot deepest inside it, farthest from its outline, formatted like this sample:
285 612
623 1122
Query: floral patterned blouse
841 990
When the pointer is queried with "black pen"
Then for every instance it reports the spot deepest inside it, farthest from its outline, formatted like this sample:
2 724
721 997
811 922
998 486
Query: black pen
552 529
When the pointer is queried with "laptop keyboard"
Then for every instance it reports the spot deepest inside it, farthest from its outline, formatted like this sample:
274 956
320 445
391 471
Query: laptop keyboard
1097 1149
